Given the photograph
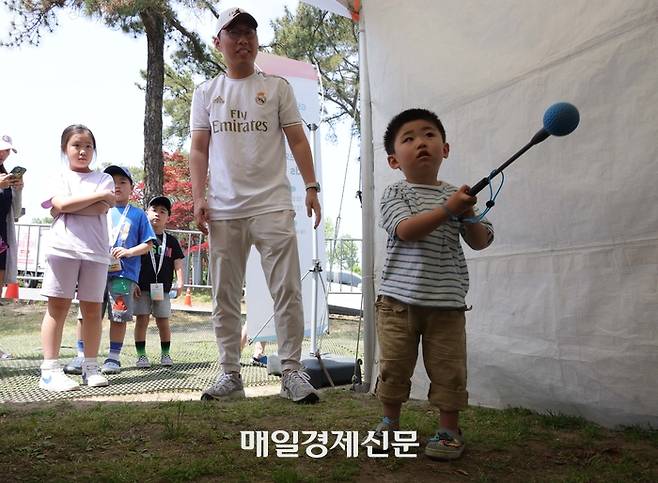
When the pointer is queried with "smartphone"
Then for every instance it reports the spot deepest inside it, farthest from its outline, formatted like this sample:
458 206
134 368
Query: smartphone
18 171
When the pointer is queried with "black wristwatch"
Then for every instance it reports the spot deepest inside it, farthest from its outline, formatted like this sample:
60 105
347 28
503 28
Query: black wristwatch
315 185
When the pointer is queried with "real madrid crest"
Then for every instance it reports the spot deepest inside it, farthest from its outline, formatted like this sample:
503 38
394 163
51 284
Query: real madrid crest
261 98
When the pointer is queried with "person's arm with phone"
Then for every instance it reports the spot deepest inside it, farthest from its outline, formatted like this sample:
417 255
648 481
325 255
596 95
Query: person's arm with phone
7 180
14 179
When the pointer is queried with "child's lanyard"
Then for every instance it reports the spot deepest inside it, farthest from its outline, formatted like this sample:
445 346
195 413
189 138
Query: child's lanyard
114 236
163 248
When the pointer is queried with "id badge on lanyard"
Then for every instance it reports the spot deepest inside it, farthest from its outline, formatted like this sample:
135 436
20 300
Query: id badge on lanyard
157 289
115 265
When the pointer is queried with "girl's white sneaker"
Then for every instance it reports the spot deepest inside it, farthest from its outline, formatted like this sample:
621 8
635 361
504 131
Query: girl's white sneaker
95 380
55 380
91 375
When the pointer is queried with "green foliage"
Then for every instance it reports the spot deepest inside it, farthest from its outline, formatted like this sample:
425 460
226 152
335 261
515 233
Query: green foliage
179 87
343 251
46 220
180 75
330 42
345 255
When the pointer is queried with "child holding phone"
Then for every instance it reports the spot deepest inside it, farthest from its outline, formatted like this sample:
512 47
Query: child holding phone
11 189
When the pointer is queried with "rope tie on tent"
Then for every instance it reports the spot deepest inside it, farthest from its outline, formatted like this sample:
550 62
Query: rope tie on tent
492 199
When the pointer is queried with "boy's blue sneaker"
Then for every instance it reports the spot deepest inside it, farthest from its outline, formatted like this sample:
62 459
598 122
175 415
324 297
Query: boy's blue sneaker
445 445
260 361
110 366
379 441
75 366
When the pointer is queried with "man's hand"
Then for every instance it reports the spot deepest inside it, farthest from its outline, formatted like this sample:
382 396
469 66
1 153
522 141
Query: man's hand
313 205
137 292
201 215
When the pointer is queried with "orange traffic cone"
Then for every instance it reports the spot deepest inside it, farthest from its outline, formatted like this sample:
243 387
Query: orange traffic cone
12 291
188 298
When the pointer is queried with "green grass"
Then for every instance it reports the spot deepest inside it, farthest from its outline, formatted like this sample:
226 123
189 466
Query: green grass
200 296
194 440
200 441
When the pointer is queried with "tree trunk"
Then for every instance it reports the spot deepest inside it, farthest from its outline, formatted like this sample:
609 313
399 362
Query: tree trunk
153 163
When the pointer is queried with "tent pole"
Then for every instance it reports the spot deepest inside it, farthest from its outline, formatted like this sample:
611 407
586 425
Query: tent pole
367 176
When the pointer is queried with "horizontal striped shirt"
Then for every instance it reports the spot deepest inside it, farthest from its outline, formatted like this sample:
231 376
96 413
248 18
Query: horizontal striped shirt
432 271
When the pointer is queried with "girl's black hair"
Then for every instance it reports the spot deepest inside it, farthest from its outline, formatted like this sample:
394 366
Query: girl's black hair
76 129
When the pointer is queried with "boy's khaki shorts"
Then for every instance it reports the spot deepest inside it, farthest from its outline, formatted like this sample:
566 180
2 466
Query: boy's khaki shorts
400 327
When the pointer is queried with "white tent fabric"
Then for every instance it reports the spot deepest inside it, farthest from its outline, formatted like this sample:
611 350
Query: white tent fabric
565 302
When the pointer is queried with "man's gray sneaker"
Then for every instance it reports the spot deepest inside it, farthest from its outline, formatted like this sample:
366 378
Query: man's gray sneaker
75 366
295 386
228 386
166 361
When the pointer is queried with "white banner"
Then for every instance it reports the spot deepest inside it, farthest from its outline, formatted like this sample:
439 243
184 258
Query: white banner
303 78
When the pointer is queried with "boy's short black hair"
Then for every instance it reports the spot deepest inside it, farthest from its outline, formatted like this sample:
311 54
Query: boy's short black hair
161 201
404 117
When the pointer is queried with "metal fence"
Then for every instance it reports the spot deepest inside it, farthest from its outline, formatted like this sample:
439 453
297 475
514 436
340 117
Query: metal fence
342 267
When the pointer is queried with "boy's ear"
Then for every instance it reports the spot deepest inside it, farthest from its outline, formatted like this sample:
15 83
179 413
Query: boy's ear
393 161
446 150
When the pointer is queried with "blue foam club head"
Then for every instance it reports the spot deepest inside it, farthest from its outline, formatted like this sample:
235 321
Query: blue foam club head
561 119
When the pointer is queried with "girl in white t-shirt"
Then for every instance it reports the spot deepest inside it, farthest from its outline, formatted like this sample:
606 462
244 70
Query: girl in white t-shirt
77 254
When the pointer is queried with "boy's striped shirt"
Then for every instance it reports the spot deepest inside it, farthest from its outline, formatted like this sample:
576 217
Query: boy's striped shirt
428 272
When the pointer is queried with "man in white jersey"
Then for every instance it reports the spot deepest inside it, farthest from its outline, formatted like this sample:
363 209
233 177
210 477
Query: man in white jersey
238 123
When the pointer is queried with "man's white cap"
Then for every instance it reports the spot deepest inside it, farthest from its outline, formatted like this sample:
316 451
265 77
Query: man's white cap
5 143
230 15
